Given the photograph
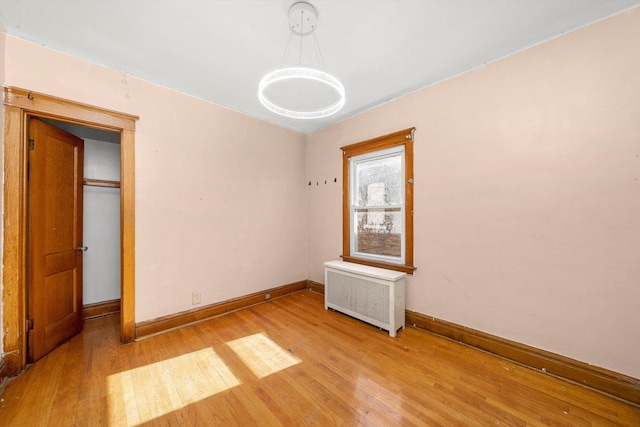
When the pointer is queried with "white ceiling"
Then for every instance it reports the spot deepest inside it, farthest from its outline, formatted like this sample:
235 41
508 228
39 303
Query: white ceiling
218 50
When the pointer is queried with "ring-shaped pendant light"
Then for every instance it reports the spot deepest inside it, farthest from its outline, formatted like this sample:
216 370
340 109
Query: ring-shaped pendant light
301 73
302 21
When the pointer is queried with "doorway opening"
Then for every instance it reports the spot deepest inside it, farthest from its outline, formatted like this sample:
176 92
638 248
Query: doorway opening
88 285
101 223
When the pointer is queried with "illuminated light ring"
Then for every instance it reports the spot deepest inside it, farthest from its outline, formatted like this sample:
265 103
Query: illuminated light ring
303 74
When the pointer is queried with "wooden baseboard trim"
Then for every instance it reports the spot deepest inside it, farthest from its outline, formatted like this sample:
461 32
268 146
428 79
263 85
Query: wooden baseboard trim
608 382
614 384
163 324
315 286
102 308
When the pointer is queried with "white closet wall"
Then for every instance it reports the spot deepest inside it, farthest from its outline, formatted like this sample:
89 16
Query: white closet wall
101 267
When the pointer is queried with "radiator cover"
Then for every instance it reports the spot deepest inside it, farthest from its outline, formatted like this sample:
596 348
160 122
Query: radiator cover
373 295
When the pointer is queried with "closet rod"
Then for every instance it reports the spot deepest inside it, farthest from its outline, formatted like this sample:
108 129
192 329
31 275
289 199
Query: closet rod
101 183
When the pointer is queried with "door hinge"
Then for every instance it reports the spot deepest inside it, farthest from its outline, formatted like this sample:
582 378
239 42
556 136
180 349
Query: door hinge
29 324
32 144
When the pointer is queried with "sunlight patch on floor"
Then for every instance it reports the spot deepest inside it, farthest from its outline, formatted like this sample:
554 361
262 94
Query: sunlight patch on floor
263 356
168 385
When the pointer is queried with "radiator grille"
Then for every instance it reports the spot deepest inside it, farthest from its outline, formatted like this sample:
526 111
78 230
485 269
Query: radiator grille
359 295
371 294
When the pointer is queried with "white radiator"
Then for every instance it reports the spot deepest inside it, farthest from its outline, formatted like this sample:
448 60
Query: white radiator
371 294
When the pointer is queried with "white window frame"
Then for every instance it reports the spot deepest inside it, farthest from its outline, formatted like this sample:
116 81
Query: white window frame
353 184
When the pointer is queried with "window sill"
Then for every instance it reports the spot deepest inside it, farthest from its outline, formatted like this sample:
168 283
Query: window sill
409 269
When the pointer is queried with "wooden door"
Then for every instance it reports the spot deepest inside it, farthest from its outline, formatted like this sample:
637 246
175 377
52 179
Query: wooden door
54 237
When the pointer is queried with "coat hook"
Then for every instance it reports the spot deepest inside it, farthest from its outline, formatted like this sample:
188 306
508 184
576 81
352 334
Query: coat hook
316 182
29 96
325 182
309 182
335 179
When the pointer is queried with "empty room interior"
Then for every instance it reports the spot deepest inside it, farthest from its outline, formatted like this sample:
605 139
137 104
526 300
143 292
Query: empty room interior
358 212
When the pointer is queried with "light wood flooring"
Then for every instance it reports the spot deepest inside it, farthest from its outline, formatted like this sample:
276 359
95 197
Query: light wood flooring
289 362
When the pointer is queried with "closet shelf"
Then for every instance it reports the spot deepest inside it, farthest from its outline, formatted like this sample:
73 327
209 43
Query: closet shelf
101 183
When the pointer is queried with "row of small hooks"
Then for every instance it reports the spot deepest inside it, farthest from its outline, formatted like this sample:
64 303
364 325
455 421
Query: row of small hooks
325 181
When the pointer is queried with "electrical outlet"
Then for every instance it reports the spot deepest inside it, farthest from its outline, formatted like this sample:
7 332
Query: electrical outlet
195 298
267 296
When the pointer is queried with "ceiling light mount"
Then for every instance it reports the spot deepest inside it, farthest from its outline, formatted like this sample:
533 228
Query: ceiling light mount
293 101
303 18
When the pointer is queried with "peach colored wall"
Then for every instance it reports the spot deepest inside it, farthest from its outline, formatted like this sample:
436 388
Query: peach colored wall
527 195
220 196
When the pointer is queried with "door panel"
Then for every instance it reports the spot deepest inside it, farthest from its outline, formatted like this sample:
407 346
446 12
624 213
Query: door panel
59 296
55 231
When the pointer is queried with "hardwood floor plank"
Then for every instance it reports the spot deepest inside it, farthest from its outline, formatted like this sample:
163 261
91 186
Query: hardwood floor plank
66 399
290 362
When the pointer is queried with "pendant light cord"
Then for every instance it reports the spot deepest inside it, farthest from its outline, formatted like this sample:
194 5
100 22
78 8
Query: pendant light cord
286 49
316 44
320 57
301 21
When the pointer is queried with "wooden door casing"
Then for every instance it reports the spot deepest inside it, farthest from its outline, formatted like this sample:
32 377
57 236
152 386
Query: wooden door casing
19 105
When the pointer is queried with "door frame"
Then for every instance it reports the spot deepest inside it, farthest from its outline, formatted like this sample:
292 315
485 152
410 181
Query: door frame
19 106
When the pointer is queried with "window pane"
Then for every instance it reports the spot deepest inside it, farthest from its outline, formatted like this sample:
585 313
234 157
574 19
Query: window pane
379 232
379 181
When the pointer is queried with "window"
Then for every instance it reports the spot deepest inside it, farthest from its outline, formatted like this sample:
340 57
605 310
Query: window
378 202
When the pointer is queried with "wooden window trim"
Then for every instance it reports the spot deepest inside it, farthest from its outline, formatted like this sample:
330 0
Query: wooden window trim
403 137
